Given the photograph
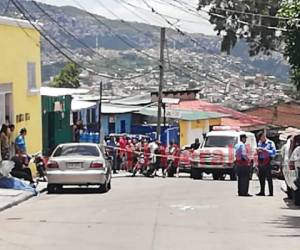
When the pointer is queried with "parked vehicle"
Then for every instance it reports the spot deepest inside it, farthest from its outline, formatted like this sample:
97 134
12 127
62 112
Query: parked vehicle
40 164
216 155
276 165
78 164
291 168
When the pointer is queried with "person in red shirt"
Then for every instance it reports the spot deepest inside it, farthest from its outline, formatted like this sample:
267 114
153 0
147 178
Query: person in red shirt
129 156
146 150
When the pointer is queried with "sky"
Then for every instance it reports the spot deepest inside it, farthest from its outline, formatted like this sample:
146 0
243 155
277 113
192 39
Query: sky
184 17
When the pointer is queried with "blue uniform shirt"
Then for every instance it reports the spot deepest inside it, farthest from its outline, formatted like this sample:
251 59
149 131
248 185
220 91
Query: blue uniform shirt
241 151
270 149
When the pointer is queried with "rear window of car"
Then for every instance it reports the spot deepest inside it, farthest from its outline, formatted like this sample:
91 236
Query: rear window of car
81 150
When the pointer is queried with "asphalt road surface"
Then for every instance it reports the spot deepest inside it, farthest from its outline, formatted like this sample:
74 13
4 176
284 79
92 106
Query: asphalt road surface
153 213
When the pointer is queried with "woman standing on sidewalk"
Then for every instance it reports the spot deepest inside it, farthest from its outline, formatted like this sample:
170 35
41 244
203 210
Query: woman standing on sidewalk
4 141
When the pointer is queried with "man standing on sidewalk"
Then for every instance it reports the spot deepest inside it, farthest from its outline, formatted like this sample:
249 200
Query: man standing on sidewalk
266 151
242 166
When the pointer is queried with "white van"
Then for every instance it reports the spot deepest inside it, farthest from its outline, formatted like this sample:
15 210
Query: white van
216 155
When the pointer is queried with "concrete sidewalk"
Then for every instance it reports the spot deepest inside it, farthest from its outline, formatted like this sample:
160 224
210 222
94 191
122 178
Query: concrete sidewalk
11 197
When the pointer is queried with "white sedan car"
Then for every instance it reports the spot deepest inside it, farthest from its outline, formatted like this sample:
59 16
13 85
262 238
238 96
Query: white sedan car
78 164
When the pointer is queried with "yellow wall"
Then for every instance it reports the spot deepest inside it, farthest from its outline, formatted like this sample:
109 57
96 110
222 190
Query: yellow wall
215 122
16 50
183 127
189 130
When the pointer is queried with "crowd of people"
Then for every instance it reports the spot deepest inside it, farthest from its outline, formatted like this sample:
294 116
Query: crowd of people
125 152
13 148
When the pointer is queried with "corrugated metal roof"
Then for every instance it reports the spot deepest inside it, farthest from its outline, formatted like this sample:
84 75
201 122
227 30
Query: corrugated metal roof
118 109
236 118
182 114
134 100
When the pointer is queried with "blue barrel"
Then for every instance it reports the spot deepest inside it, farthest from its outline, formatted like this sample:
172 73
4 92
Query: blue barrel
95 138
81 136
85 137
91 137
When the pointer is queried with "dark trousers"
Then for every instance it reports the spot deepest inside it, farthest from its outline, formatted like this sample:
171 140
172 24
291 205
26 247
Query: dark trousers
243 173
264 173
24 173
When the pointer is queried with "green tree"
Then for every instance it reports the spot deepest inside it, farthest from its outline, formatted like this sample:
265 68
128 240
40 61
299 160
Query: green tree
254 21
68 77
291 10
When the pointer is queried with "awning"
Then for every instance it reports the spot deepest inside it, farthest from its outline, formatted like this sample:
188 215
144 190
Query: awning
181 114
79 105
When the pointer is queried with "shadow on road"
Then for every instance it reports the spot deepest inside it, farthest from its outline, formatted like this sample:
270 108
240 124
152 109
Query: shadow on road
290 205
287 222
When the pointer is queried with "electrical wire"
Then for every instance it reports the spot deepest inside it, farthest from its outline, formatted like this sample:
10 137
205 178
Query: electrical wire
22 10
61 27
253 14
120 38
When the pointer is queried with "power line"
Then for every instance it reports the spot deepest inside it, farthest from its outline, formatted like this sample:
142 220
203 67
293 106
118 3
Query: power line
252 14
171 65
115 34
138 50
240 21
22 10
71 34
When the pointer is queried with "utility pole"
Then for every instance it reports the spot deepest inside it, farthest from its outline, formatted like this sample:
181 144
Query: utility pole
100 113
161 79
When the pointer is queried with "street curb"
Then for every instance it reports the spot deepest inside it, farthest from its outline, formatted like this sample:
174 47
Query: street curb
22 199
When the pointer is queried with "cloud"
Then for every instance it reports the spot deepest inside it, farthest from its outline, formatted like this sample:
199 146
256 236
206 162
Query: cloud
184 15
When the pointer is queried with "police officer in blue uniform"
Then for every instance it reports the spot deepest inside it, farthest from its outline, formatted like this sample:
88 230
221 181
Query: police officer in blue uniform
242 166
265 151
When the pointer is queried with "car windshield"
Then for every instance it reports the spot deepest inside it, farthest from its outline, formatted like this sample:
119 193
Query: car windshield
220 141
81 150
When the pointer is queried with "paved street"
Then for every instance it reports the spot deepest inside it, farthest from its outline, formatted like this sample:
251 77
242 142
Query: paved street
141 213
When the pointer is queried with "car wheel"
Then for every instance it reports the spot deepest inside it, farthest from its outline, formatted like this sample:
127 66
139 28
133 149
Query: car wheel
104 188
53 188
296 197
109 185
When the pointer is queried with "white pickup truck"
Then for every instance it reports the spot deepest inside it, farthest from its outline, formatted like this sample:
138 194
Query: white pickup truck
216 155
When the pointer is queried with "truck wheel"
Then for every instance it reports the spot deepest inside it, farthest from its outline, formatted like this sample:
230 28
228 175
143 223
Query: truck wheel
216 176
196 174
296 197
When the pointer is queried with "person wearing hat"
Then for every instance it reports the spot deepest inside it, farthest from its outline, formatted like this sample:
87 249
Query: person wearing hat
20 142
242 166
